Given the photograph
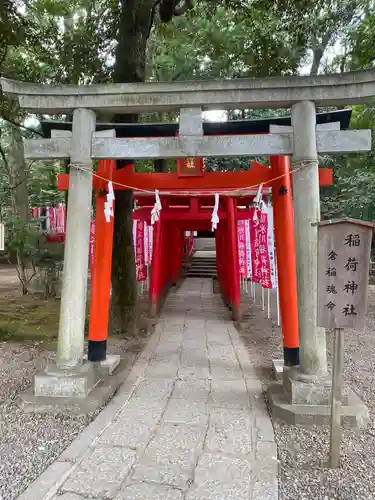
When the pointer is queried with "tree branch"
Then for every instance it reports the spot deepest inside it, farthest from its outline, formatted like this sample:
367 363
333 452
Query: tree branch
2 60
3 156
153 11
181 8
18 125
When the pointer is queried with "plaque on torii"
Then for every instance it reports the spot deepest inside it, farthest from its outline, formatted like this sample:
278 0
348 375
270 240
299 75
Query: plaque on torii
190 167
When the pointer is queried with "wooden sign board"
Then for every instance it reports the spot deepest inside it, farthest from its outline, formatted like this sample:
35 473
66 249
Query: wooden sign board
343 272
190 167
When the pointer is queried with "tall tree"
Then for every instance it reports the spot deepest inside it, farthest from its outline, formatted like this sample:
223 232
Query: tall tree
135 21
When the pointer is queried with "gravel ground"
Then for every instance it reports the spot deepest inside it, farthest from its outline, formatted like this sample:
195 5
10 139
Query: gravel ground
28 442
303 452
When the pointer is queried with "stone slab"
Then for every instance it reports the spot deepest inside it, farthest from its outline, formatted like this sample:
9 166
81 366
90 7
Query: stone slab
194 356
145 491
171 456
229 432
167 349
278 368
229 394
263 93
129 433
154 388
265 479
264 428
193 373
192 390
231 373
355 414
181 411
109 365
58 383
315 393
96 398
162 369
48 482
220 491
266 450
102 473
216 467
69 496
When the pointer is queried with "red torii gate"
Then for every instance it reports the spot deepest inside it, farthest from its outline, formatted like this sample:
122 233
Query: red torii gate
167 259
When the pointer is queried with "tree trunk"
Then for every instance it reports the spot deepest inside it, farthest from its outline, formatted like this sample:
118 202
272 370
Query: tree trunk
19 198
161 166
134 26
318 49
18 172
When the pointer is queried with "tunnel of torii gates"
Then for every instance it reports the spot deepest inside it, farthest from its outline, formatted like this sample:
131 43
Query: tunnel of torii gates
193 212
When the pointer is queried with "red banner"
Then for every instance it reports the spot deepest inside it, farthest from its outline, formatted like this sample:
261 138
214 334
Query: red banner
265 264
189 242
60 219
255 252
241 238
140 260
52 221
150 243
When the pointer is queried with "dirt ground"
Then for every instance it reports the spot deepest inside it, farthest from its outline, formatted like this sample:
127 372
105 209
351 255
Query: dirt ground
28 317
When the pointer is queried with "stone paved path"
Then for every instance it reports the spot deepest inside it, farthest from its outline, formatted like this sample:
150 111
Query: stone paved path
189 423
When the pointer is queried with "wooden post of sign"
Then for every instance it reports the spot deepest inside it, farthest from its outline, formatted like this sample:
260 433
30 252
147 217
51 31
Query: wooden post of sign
337 382
343 263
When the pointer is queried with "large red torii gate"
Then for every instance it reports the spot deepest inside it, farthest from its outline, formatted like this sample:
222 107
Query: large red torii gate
189 212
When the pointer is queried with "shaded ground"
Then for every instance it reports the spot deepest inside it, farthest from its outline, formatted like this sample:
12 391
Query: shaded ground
29 442
303 452
188 423
28 317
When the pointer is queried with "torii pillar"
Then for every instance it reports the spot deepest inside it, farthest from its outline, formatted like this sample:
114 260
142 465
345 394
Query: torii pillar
286 257
70 377
313 357
74 288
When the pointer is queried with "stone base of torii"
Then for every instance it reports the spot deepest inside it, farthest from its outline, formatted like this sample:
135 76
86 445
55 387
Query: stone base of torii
303 141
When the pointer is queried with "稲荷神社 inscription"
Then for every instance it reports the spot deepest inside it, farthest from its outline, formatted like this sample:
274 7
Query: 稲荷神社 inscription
343 268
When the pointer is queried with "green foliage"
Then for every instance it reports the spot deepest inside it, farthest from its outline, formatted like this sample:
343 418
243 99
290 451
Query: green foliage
74 42
353 192
226 43
42 182
39 261
362 40
68 42
22 238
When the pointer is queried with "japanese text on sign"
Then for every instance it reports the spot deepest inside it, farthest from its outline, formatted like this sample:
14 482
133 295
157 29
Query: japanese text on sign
343 267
